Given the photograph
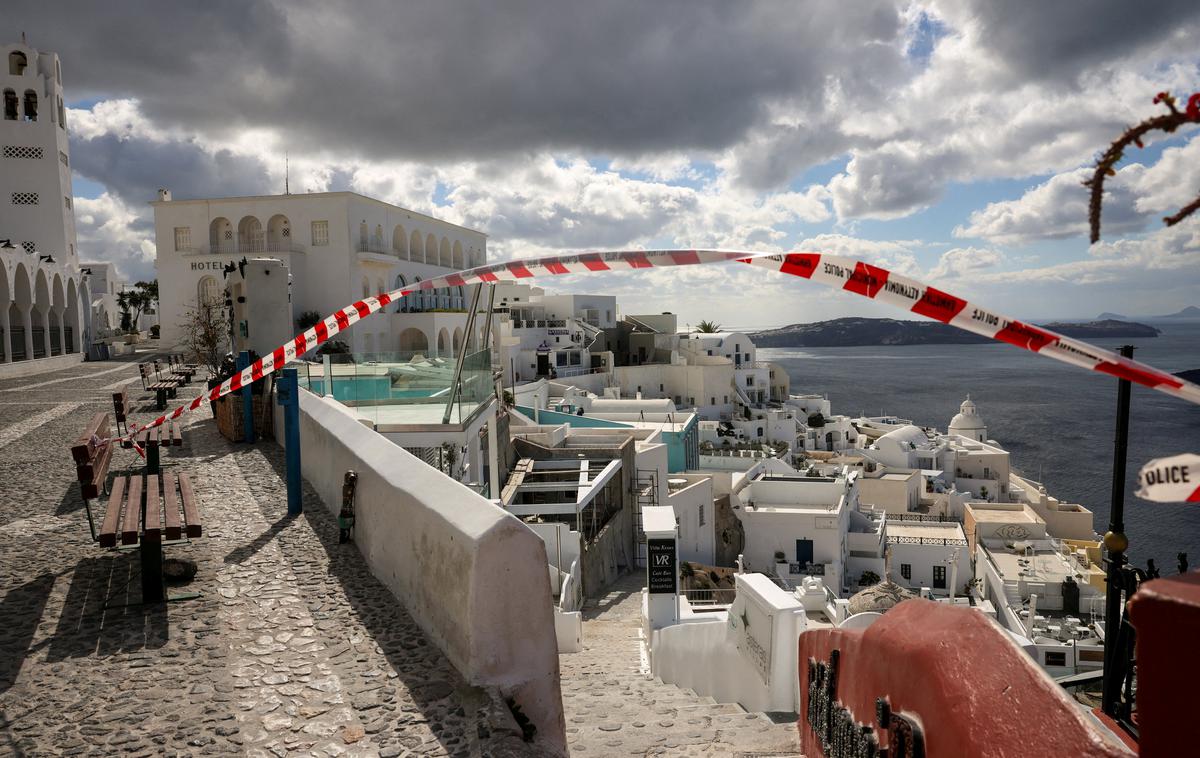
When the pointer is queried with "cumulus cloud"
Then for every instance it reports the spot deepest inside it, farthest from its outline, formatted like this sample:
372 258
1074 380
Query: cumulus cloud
965 261
1057 208
109 230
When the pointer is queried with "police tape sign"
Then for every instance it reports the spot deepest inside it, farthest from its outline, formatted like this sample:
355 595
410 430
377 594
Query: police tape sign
1171 480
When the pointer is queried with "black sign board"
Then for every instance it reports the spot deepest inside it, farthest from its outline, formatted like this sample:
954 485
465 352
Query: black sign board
660 566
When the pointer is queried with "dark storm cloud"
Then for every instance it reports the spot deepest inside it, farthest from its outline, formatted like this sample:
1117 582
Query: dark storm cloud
135 168
1052 40
463 79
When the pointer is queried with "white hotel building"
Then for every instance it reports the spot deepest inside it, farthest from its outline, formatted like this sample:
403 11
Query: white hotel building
44 297
338 247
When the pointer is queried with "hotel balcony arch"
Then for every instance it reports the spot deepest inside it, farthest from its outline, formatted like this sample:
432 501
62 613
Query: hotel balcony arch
400 242
431 250
250 235
413 340
458 262
444 256
279 234
11 107
416 251
220 236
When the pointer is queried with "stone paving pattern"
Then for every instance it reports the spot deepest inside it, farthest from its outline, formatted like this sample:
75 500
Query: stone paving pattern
292 649
613 709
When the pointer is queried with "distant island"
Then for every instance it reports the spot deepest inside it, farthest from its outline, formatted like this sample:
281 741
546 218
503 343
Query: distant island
1190 313
856 332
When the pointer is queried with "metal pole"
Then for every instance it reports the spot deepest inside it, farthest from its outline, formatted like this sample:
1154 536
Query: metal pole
1116 543
243 361
462 353
287 394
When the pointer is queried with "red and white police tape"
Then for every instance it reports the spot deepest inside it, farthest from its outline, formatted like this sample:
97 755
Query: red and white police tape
1171 480
831 270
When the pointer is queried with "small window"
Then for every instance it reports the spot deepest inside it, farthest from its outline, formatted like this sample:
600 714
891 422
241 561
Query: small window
67 203
1056 658
702 514
183 237
660 388
320 233
726 400
31 105
678 400
939 577
17 62
560 359
760 431
691 400
749 381
906 570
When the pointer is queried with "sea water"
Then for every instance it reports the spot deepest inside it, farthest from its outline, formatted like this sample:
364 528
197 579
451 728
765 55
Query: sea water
1056 420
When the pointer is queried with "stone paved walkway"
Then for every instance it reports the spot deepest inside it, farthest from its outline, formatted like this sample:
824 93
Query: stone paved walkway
293 648
613 709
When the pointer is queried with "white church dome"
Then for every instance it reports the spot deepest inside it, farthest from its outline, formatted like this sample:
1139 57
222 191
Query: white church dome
967 420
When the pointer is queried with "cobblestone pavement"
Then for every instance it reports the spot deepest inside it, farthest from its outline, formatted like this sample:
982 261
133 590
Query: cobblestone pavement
613 709
292 648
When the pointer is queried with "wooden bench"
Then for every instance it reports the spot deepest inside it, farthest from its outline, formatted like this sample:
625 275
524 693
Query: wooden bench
169 434
121 410
162 388
92 454
144 510
175 371
150 513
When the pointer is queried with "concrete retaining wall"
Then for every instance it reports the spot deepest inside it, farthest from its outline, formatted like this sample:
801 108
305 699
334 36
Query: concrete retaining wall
473 576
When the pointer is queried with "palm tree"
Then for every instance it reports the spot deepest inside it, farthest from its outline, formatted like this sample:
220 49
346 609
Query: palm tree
708 327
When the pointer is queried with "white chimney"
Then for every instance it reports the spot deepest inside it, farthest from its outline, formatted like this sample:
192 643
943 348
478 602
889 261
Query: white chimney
164 195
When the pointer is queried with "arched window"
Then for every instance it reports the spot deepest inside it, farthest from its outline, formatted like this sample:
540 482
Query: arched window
417 297
10 105
378 240
17 62
207 291
62 114
30 105
366 287
362 236
431 250
58 72
402 305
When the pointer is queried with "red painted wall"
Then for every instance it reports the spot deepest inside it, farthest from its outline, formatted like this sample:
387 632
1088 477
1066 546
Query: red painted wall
961 677
1166 615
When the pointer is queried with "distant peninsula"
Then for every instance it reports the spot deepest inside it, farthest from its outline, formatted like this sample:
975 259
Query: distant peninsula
1190 313
857 332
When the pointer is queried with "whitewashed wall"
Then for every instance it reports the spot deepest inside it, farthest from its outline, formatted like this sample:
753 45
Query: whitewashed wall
473 576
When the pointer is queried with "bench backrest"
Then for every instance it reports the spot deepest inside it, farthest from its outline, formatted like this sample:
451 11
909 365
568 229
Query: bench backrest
121 405
145 369
85 449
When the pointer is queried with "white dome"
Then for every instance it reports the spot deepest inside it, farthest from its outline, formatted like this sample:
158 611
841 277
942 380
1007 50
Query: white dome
967 418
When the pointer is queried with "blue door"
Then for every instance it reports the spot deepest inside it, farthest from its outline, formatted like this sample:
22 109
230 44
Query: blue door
804 552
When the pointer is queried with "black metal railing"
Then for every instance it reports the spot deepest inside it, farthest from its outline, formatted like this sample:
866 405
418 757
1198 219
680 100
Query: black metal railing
39 342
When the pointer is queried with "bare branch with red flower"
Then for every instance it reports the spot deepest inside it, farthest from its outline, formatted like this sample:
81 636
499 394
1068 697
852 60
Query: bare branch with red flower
1106 164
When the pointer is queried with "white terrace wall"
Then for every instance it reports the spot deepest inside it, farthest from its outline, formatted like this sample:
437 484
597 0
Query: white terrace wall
473 576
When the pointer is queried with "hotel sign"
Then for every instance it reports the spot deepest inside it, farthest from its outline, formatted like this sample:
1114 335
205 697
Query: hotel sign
660 566
209 265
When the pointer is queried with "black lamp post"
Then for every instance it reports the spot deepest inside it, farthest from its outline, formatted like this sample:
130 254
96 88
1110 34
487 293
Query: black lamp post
1116 543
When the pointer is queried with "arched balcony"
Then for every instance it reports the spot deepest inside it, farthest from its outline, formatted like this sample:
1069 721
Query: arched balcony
400 243
220 237
416 250
279 234
250 235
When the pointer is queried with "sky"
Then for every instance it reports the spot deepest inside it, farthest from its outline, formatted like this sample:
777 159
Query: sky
944 140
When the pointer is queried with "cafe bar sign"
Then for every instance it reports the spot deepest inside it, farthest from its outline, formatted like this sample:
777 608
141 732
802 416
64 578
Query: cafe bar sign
842 736
660 565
